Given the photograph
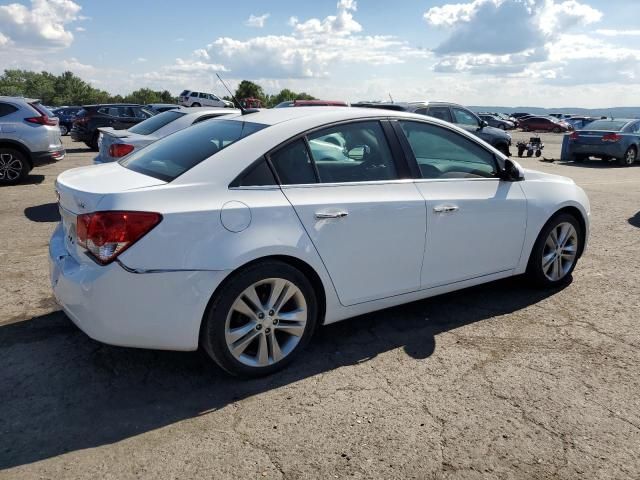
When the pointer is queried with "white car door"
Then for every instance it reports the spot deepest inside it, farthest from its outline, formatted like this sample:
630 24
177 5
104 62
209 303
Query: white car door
367 225
475 221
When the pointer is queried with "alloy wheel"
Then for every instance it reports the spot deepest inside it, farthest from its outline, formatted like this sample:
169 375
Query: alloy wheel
630 156
10 167
266 322
560 251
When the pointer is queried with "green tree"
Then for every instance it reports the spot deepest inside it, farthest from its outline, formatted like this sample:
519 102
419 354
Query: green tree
248 89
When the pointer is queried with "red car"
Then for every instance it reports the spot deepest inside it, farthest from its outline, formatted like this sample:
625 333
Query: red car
544 124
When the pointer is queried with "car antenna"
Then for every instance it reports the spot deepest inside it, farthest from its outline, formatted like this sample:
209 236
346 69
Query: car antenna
243 110
390 97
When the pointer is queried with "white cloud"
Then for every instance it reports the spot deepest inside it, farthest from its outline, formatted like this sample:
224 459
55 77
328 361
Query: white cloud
312 49
44 24
257 21
140 60
618 33
81 29
4 41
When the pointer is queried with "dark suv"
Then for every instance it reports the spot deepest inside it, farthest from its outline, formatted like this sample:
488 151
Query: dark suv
117 115
452 113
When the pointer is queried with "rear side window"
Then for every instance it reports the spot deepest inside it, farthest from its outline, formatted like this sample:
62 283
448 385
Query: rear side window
442 113
156 122
6 109
193 94
184 93
171 156
258 175
292 164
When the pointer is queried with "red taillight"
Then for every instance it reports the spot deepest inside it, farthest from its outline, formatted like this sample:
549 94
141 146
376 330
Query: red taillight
107 234
611 137
118 150
574 136
43 120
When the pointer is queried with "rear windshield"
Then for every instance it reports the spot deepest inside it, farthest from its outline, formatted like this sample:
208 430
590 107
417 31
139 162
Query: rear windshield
156 122
184 93
612 125
171 156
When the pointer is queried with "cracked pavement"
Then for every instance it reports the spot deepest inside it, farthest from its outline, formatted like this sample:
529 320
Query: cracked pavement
500 381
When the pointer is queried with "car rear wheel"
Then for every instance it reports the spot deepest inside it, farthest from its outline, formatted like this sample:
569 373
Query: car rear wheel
63 130
260 319
195 104
503 126
13 166
555 252
557 130
93 145
629 157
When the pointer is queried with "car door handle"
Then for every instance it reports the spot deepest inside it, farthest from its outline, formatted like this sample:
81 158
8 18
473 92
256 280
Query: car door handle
323 215
445 208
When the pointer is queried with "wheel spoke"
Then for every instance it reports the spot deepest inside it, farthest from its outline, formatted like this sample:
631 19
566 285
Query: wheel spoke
547 259
299 315
274 347
244 308
251 295
279 287
263 351
564 234
236 334
241 345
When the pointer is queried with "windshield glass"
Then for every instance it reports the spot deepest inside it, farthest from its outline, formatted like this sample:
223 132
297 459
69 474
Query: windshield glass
611 125
156 122
171 156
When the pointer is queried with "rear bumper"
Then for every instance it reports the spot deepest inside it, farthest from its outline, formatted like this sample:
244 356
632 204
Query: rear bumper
79 135
616 150
42 158
111 305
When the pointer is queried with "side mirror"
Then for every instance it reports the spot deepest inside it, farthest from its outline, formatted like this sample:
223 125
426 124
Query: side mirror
358 152
512 172
484 123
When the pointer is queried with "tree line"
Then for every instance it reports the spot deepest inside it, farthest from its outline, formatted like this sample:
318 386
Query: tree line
69 89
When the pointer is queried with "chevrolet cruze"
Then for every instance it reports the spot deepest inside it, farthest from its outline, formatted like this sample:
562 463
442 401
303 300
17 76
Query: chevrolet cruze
243 234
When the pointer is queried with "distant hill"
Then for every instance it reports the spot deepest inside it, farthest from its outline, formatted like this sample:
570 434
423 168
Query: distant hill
617 112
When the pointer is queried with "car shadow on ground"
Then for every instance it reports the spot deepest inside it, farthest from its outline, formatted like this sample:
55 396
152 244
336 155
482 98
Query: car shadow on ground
64 392
635 220
594 164
78 150
30 180
47 212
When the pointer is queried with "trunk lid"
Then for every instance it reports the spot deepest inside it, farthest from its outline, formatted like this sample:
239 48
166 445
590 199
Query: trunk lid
109 136
591 137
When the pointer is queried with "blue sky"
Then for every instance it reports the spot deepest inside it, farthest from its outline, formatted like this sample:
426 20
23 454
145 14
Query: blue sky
498 52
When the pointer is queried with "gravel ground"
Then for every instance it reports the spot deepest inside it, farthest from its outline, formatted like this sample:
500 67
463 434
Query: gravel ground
499 381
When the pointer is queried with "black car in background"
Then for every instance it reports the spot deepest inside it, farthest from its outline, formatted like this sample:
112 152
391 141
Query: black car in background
119 116
496 122
452 113
66 116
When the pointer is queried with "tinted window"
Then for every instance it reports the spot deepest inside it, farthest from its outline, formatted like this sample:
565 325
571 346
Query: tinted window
464 117
259 175
204 95
607 125
156 122
442 153
6 109
184 93
171 156
442 113
208 117
352 152
193 94
293 165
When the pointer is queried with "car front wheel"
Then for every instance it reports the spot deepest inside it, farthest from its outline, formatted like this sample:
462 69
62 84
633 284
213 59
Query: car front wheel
260 319
555 253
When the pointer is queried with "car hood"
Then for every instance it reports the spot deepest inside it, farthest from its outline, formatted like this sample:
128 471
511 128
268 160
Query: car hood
496 132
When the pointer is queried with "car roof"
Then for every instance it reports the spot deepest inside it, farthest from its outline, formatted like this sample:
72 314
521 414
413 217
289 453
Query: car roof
98 105
273 116
14 98
205 110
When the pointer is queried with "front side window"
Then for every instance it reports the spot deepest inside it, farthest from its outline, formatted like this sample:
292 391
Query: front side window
204 95
352 152
173 155
293 165
442 153
465 118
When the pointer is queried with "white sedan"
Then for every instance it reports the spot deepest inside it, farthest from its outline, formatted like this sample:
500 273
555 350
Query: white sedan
244 233
114 144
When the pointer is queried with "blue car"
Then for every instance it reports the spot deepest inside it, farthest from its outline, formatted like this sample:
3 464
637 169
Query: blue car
611 139
66 116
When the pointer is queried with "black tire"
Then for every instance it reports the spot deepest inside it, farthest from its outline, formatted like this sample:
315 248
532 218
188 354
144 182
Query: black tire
503 148
629 157
538 153
14 166
63 130
534 269
212 333
93 144
503 126
529 153
579 158
196 104
557 130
